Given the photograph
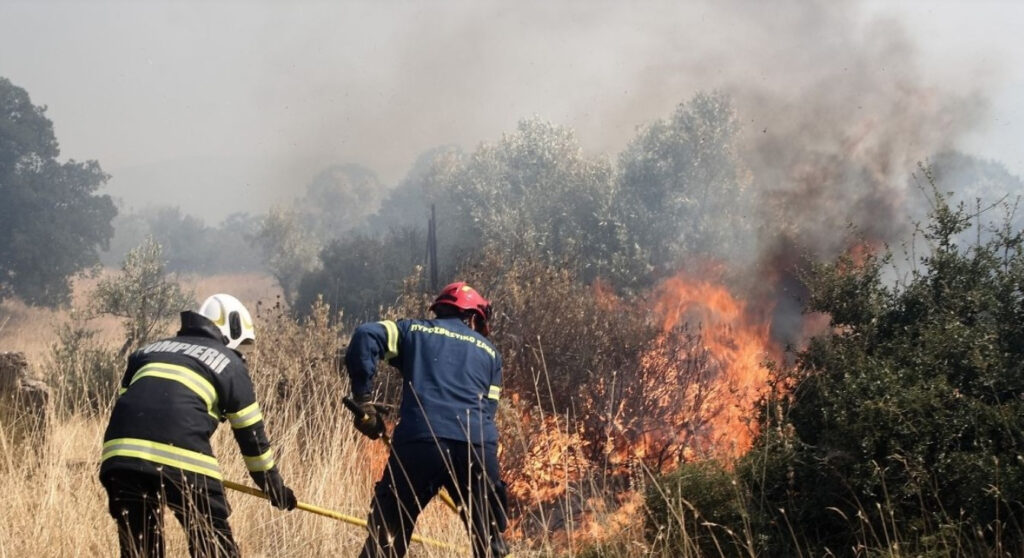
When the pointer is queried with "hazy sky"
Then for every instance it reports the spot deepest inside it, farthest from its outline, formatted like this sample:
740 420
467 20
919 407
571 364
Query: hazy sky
231 106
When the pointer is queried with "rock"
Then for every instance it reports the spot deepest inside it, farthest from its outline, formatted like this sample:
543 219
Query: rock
24 401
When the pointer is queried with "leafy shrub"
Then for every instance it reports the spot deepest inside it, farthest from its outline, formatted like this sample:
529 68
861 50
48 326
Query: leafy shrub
697 510
143 295
907 421
84 370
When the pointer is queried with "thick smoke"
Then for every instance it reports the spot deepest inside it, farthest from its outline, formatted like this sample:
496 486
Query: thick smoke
834 138
246 104
837 114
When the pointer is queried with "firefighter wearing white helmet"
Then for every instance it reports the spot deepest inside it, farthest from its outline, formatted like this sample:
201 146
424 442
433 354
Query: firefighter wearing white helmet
156 449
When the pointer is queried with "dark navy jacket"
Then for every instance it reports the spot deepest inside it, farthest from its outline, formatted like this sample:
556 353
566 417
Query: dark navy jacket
174 394
451 373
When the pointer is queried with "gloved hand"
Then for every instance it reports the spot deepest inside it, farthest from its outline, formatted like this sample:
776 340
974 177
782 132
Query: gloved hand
370 420
281 497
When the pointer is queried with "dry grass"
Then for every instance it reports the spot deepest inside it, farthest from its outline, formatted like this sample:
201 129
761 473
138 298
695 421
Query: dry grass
55 506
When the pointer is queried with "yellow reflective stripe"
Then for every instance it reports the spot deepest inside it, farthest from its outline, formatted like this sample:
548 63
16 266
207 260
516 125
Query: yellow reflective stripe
246 417
392 328
164 454
121 391
260 463
193 381
494 393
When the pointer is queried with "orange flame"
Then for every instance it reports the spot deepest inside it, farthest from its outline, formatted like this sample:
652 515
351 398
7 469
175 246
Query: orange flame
552 461
733 343
691 395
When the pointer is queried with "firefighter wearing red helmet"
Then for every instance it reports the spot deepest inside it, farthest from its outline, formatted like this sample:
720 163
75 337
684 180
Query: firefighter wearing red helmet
465 298
446 436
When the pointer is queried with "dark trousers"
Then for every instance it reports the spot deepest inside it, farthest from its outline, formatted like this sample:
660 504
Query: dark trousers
136 502
415 472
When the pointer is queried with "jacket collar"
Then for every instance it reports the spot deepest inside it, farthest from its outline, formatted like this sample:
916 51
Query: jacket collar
193 323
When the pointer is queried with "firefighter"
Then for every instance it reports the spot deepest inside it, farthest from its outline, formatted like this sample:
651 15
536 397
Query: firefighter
446 436
156 450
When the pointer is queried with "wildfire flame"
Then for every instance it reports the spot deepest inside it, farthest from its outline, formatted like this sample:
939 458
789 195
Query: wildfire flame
738 346
691 395
699 381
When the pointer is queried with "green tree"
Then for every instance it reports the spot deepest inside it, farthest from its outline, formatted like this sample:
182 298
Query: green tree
907 421
682 189
978 184
143 295
51 221
188 244
362 273
408 204
232 244
534 193
185 241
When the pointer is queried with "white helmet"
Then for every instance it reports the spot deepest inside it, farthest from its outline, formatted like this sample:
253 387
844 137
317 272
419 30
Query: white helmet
231 317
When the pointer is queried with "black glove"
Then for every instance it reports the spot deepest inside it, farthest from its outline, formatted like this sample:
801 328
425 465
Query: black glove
281 497
370 418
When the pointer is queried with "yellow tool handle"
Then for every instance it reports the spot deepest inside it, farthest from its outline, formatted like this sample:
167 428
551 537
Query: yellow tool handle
335 515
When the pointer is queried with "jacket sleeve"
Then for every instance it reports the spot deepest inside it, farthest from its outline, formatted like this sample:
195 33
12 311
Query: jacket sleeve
370 343
243 412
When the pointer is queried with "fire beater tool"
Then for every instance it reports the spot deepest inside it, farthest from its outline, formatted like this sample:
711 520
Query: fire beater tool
336 515
351 405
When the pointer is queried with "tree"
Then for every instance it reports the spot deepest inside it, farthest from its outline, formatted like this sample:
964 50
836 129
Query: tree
142 294
339 199
51 221
533 194
682 188
188 244
361 273
185 241
288 249
232 244
408 204
978 184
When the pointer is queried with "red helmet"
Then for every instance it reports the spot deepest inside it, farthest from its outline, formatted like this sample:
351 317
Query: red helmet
465 298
